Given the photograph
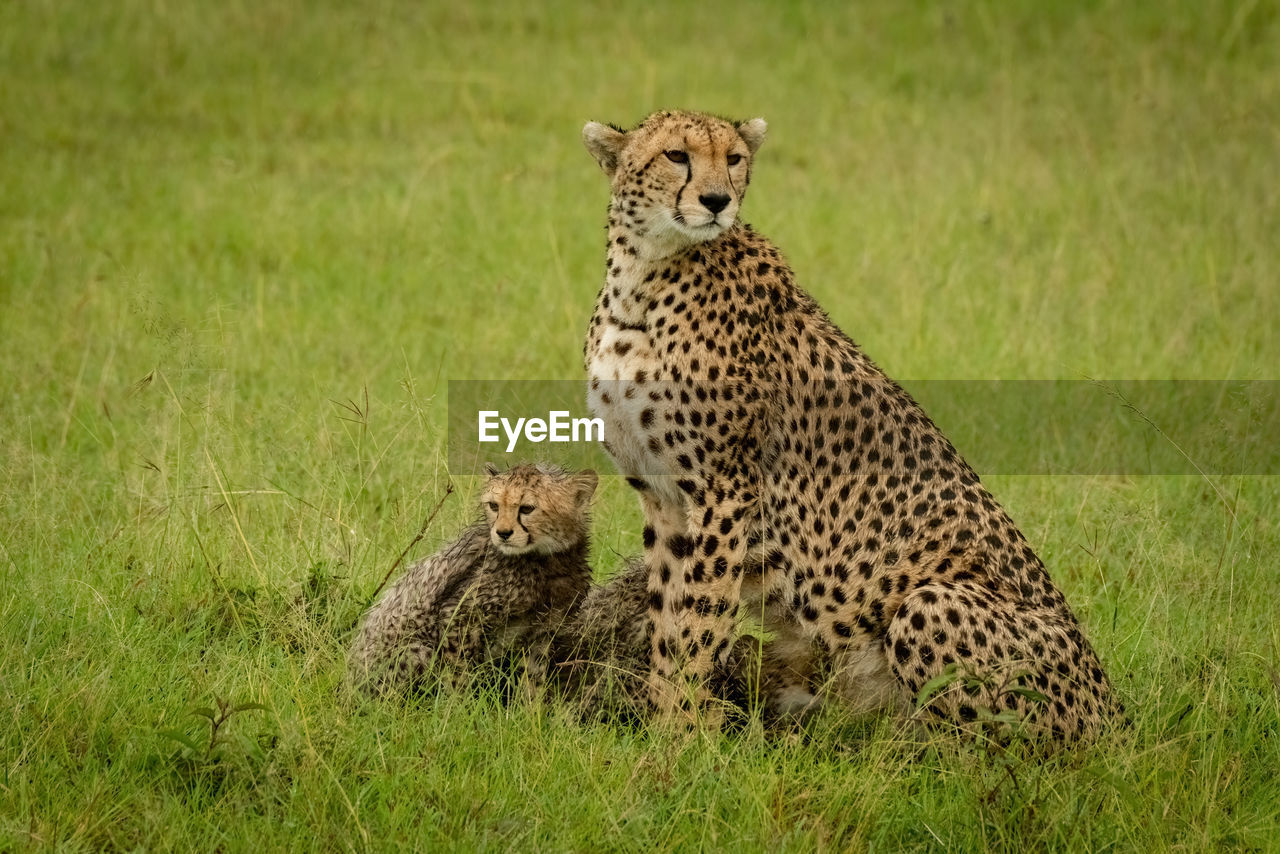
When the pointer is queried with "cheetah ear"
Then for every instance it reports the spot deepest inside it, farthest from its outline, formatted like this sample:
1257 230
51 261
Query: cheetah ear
752 132
491 470
584 482
605 144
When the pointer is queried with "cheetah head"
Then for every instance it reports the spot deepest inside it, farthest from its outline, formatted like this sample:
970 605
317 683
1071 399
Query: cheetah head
678 178
537 508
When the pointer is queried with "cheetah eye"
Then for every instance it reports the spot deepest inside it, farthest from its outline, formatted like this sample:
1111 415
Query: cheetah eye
493 505
734 159
676 156
526 508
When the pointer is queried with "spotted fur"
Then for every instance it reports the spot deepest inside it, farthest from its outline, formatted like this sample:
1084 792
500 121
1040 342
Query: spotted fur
601 656
503 586
780 469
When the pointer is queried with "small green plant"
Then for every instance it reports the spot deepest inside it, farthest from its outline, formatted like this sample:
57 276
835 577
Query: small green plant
990 721
222 744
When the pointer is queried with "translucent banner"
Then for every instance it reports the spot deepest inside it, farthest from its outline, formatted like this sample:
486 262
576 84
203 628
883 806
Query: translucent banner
1016 427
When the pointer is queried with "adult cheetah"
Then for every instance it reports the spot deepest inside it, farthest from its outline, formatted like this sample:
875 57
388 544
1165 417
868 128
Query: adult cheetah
780 468
504 586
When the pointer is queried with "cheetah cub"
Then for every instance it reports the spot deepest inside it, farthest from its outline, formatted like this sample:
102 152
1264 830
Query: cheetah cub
502 587
780 469
601 656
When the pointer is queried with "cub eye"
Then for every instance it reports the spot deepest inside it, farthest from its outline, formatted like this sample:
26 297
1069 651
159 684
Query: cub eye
676 156
526 508
493 505
734 159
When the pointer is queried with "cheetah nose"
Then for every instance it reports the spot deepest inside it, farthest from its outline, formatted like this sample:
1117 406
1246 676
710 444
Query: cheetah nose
504 535
714 202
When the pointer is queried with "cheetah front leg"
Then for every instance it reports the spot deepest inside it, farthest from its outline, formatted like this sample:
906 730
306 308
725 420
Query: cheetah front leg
694 586
665 539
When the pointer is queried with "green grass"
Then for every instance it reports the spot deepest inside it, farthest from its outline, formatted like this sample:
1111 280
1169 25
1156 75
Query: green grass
244 246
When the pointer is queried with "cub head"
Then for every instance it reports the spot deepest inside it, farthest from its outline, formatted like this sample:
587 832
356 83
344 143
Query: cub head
679 177
537 508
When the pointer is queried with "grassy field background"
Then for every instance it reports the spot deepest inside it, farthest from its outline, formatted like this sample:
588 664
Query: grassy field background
243 246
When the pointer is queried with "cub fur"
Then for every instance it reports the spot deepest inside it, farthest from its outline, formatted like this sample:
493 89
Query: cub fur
503 586
601 658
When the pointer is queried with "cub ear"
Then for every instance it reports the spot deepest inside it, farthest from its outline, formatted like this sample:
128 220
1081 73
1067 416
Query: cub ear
584 482
605 144
752 132
491 470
